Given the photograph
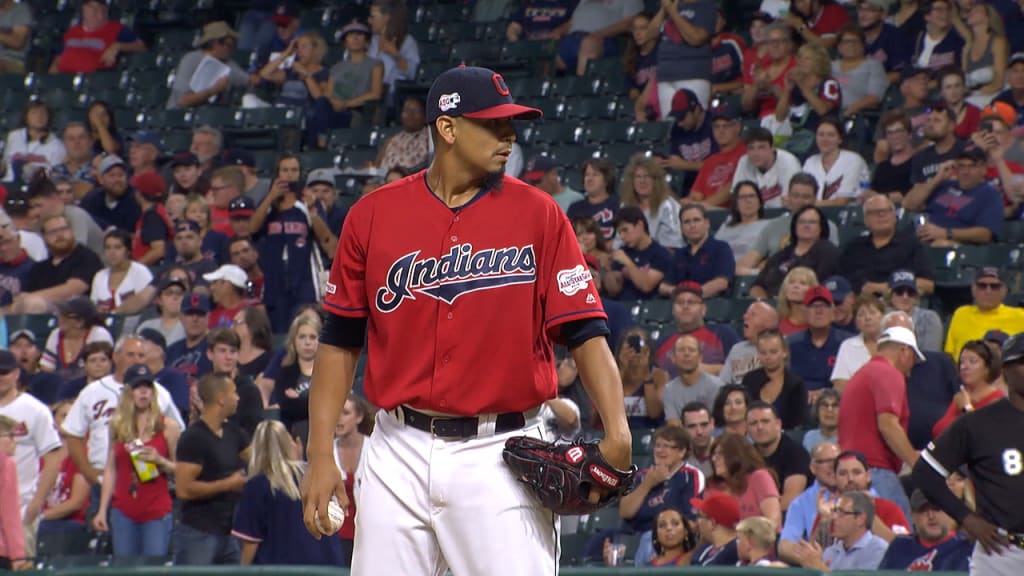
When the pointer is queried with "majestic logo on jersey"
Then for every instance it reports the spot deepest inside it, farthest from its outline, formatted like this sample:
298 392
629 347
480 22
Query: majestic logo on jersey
459 272
449 101
573 280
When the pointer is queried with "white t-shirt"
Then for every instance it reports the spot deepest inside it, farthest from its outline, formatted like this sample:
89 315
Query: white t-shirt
665 226
33 245
34 435
774 183
18 149
137 278
90 415
853 355
51 352
842 180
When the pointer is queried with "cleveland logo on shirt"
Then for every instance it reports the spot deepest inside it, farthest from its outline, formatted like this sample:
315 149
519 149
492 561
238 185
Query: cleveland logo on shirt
458 272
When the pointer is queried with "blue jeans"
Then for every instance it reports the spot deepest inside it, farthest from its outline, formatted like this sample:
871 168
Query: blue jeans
887 485
196 548
133 538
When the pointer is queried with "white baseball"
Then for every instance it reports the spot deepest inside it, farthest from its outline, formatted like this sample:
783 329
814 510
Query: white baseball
336 516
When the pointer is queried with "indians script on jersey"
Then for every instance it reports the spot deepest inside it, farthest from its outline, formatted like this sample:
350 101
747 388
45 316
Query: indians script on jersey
461 271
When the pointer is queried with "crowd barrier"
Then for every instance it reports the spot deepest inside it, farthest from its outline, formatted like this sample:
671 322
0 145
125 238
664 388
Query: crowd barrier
329 571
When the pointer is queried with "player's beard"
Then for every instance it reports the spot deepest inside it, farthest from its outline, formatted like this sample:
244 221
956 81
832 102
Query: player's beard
494 181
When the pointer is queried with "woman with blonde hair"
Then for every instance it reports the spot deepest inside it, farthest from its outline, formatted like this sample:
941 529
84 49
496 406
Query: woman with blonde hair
643 185
986 52
291 388
809 92
790 303
270 501
213 244
142 453
300 73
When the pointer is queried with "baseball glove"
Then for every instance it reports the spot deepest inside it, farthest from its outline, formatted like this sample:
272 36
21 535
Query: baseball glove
562 475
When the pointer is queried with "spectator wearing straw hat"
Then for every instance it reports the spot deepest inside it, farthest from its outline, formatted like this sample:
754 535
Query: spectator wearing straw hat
216 42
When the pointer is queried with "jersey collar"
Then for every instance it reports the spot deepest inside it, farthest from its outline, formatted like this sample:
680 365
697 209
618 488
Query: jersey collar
483 191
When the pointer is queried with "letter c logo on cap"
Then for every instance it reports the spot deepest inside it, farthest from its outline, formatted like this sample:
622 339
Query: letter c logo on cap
499 84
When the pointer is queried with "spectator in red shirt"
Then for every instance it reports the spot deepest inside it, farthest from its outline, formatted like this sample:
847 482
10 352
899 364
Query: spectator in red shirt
740 470
353 429
763 82
228 286
226 184
142 454
953 91
64 509
980 369
994 136
816 21
714 181
154 231
874 413
96 42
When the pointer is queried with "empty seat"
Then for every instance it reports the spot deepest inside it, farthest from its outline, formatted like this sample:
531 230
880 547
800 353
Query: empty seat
652 132
609 131
219 117
273 117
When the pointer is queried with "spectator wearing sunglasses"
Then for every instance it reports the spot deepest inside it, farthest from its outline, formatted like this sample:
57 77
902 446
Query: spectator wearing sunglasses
988 312
904 296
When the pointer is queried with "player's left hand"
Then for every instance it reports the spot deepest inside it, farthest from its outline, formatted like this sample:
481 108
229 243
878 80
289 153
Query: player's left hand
985 533
619 453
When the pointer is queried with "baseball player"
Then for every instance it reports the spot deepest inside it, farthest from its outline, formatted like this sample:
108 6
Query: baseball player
990 441
459 279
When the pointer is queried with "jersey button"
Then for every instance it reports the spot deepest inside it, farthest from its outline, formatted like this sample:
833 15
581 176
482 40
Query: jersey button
450 315
455 238
456 218
445 359
443 403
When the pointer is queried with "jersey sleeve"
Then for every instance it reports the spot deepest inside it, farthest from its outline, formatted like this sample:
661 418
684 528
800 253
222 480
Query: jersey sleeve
566 286
191 448
76 423
153 228
949 451
44 432
346 286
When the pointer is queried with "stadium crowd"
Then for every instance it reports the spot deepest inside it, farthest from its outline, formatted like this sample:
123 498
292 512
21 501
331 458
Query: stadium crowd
805 235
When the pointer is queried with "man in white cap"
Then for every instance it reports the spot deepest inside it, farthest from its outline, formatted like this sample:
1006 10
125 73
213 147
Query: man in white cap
874 412
217 42
228 286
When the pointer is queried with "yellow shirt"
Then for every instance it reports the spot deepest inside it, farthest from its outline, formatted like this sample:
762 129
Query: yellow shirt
970 323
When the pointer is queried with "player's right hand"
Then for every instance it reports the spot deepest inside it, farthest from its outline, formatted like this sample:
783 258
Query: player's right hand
985 533
322 481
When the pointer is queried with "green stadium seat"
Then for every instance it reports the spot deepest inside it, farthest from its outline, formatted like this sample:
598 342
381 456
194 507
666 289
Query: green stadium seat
605 67
40 324
454 31
175 119
609 131
621 152
273 117
571 548
590 108
527 51
433 52
716 218
492 31
655 311
358 157
313 159
575 86
473 52
652 132
601 519
177 140
573 155
1000 255
352 138
643 441
439 13
849 233
45 83
741 286
554 133
71 543
219 117
942 258
529 87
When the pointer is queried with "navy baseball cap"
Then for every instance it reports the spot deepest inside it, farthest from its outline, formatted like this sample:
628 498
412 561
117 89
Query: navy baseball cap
909 72
184 159
146 137
474 92
138 375
903 279
153 336
1013 349
724 111
238 157
839 287
186 226
537 167
8 363
241 207
195 302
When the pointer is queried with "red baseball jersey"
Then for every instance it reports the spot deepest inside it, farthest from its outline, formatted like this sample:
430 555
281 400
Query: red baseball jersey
463 304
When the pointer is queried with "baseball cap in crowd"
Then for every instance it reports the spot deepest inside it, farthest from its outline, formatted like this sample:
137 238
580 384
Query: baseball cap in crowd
684 101
184 159
322 176
973 153
185 225
79 306
909 72
688 288
23 333
153 336
763 17
146 137
241 207
8 363
150 184
230 273
537 167
629 215
110 162
195 302
903 279
1016 58
284 13
989 272
237 157
474 92
215 31
839 287
1013 349
918 501
17 203
168 282
996 337
901 335
724 111
138 375
723 508
815 293
353 26
1000 111
882 5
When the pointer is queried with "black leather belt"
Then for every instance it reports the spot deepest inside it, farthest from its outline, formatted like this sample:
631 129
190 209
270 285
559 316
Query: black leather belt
459 428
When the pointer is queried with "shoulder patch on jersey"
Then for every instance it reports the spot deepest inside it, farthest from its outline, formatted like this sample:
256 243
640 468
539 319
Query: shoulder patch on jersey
573 280
449 101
